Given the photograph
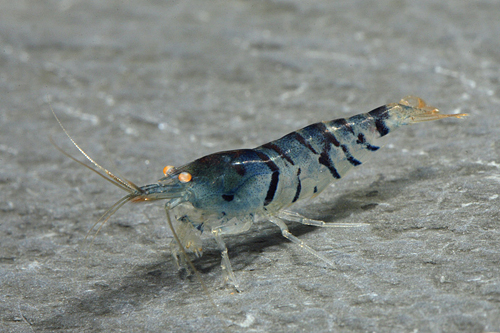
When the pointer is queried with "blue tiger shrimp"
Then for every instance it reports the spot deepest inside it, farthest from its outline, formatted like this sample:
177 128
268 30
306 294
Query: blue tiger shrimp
225 192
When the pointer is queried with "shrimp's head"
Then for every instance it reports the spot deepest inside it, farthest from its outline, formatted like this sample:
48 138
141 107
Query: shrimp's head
174 187
225 183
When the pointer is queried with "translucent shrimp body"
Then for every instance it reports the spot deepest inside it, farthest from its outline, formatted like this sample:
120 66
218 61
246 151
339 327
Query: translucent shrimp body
225 191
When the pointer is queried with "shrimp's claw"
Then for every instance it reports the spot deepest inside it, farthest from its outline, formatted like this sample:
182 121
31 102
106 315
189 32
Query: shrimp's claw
419 111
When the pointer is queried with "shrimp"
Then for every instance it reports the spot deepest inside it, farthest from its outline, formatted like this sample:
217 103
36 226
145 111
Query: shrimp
225 192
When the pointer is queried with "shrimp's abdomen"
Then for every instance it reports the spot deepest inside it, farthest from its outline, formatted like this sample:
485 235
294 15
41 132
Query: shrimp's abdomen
309 159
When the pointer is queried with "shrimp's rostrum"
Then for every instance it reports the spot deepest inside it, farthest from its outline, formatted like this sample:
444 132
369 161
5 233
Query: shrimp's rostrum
223 193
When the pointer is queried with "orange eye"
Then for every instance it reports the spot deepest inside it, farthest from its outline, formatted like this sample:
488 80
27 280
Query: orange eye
185 177
168 169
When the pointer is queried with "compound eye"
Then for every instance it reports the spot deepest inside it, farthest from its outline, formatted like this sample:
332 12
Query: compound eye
168 169
185 177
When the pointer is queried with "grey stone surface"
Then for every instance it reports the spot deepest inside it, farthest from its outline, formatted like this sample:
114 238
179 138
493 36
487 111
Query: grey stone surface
143 84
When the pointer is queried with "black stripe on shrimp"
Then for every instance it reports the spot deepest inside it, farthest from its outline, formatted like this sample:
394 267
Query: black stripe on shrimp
273 185
380 114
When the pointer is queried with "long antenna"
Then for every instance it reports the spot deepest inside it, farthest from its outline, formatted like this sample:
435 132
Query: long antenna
122 183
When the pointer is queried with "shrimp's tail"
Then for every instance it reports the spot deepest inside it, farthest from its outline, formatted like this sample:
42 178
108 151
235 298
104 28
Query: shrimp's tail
414 110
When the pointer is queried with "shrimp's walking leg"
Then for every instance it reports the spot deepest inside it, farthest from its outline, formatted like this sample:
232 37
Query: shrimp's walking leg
296 217
286 233
230 227
227 269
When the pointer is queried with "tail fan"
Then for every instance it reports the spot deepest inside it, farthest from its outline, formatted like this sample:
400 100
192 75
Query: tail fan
418 111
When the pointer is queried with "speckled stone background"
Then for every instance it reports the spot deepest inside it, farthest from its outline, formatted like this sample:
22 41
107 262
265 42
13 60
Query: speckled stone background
141 84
